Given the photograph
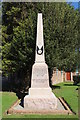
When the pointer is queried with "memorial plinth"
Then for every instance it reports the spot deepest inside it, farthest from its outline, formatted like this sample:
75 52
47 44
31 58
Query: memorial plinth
40 95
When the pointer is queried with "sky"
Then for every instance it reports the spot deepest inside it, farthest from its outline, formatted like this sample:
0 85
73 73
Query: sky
75 4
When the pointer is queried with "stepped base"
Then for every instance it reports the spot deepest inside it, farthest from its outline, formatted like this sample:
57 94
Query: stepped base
40 91
40 99
61 109
40 103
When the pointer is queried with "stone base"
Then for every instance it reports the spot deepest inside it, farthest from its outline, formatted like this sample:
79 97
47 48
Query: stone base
40 103
42 99
62 108
41 92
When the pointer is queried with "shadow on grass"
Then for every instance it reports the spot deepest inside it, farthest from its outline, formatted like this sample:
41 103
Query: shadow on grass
9 86
55 87
71 84
68 84
21 96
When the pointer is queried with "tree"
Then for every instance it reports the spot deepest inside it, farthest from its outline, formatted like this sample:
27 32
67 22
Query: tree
0 38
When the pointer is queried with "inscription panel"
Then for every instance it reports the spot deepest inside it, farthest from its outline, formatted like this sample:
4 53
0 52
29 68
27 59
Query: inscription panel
40 73
40 77
40 83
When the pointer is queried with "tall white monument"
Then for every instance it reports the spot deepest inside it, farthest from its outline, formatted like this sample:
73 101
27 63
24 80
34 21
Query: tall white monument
41 97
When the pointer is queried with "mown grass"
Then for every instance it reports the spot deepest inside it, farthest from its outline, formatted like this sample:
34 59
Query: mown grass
0 104
70 93
66 90
8 98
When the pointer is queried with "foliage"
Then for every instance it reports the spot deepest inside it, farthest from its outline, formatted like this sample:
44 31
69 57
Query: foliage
0 37
60 22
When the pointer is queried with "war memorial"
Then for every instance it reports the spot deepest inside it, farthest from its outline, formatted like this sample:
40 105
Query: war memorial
40 98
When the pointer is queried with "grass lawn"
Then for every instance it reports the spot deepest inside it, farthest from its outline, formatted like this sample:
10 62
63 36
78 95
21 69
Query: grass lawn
69 93
66 90
8 98
0 104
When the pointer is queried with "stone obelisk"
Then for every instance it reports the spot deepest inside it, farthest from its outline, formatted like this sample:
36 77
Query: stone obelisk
41 97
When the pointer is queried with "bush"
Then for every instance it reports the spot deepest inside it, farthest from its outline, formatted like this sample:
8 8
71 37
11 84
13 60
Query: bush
76 79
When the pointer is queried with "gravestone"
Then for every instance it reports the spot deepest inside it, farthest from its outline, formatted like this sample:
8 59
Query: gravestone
40 95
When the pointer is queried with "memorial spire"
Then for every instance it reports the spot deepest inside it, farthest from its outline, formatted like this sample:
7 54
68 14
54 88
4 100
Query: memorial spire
39 41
